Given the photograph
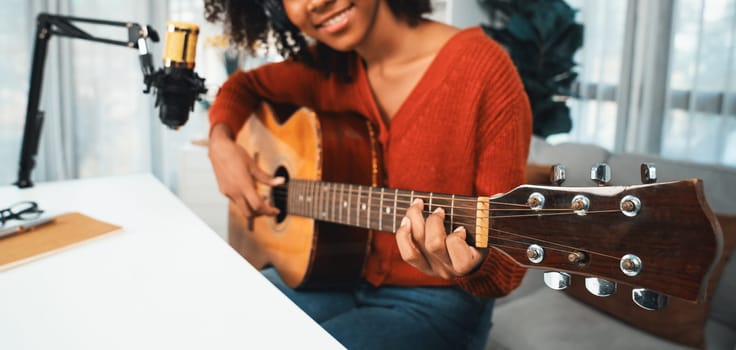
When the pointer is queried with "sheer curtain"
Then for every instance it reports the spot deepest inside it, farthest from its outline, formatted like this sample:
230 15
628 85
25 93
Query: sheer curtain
657 77
98 122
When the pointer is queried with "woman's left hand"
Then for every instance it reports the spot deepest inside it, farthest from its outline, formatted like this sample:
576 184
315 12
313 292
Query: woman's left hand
425 245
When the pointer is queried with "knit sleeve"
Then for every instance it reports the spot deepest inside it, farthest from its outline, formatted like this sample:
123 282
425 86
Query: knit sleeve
284 82
504 135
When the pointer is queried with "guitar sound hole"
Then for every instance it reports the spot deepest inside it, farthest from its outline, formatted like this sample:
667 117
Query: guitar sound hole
279 194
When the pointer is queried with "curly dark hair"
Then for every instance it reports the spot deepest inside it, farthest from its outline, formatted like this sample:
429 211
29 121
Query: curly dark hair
250 21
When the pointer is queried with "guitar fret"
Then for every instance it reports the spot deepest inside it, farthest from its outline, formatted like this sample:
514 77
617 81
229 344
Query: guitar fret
350 197
305 208
290 201
448 204
321 197
308 199
452 213
317 199
368 216
325 202
380 211
333 201
342 193
430 202
304 199
357 207
313 198
299 195
320 200
325 199
301 198
396 197
328 200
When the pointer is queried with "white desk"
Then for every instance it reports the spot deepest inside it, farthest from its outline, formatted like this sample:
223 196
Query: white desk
166 282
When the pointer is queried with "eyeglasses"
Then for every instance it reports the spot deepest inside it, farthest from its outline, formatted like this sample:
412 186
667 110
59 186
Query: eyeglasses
20 211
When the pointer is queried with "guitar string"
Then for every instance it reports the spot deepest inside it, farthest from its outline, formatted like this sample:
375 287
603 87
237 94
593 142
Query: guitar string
571 249
515 206
474 223
422 195
282 195
550 244
560 247
564 248
360 189
556 211
371 199
353 189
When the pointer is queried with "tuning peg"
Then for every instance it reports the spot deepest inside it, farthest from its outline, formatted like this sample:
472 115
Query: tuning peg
600 173
557 174
648 173
600 287
648 300
557 280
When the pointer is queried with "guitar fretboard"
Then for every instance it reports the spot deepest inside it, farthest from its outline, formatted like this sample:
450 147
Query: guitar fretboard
375 208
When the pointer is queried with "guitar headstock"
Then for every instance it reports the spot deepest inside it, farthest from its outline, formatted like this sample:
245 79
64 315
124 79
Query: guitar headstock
660 238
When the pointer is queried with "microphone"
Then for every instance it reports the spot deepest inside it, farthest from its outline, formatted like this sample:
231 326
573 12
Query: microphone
177 85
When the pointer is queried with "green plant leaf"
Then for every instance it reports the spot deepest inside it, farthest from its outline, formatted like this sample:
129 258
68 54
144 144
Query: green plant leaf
551 118
541 37
522 29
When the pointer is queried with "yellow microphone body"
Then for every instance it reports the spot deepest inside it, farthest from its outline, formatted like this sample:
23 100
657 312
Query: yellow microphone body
181 44
177 86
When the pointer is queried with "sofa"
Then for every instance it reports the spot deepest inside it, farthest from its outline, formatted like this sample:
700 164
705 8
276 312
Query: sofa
537 317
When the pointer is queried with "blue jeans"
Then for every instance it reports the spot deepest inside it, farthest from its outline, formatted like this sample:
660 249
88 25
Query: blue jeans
391 317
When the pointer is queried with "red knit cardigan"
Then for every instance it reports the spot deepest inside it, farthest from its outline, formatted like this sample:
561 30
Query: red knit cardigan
464 129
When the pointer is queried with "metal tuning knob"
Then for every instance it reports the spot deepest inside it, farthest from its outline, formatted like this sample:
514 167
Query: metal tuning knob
600 287
600 173
535 201
557 174
648 300
577 258
630 265
557 280
648 173
535 253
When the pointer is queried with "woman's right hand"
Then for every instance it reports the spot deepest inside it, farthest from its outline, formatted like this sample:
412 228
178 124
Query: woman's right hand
237 173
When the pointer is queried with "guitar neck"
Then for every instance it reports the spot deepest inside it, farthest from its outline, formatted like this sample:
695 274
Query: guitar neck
379 208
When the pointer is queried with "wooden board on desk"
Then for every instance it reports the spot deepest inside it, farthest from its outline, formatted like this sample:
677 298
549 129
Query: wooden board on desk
66 231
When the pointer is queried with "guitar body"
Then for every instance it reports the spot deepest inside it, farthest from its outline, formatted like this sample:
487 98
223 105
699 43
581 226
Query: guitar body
302 144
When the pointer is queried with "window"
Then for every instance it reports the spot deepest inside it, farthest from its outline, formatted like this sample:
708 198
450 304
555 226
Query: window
97 121
657 77
15 50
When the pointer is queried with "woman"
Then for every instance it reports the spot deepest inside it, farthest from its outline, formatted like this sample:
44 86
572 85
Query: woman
452 117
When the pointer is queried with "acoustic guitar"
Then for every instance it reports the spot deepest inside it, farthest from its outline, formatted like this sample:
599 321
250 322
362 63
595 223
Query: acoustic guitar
658 237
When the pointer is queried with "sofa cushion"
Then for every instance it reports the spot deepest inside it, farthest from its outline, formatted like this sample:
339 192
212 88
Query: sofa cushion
719 336
679 321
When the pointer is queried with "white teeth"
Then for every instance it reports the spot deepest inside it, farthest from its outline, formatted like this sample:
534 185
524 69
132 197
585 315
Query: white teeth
335 20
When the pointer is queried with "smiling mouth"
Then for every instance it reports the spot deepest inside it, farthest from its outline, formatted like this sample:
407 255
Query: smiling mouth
337 18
